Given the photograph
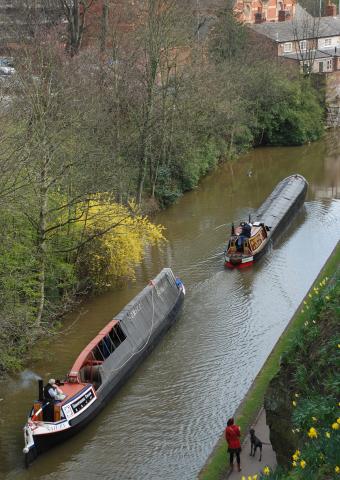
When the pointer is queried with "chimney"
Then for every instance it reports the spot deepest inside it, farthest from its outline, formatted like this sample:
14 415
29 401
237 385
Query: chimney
330 9
282 15
259 18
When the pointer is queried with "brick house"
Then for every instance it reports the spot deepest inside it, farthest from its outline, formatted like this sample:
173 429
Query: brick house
257 11
312 43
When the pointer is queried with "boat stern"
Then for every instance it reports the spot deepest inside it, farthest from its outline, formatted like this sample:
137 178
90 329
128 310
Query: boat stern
238 261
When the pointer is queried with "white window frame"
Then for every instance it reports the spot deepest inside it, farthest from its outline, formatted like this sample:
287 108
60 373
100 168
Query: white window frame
303 45
288 47
327 42
330 64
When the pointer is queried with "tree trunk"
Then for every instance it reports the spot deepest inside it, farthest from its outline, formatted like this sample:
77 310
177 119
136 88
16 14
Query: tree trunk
42 238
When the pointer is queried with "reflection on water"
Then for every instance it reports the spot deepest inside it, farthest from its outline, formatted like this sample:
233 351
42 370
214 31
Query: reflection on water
166 419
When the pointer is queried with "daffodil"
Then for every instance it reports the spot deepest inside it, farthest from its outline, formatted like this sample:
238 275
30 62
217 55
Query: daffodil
255 477
307 307
249 477
335 426
294 403
303 464
310 295
295 456
328 435
338 420
266 470
337 469
314 419
297 395
294 463
312 433
302 311
243 477
327 297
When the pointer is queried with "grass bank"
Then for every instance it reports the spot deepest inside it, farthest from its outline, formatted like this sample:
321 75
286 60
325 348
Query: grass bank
216 465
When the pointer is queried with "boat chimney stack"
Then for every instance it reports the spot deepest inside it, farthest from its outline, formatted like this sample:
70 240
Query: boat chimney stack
232 229
41 390
249 218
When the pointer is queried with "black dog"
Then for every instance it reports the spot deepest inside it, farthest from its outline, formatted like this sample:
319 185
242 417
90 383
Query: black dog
255 443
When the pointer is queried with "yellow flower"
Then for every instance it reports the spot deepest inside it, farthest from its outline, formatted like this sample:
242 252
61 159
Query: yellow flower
305 303
310 295
328 435
307 307
294 463
338 345
255 477
338 420
266 470
303 464
297 429
335 426
302 311
296 455
294 403
312 433
243 477
314 419
327 297
306 324
249 477
297 395
337 469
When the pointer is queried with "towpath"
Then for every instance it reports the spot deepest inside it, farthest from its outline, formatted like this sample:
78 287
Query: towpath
251 465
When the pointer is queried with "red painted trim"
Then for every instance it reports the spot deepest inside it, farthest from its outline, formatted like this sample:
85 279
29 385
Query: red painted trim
238 265
85 354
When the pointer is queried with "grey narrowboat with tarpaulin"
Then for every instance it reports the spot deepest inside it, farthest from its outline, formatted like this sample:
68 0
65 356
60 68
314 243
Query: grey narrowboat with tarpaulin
104 365
249 241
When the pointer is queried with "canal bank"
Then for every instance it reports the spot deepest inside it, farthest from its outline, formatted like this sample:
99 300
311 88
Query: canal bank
248 411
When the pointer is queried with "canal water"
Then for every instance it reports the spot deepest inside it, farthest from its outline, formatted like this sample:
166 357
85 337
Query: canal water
165 421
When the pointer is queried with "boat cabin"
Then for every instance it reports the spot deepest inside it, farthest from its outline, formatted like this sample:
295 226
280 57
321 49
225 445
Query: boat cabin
247 238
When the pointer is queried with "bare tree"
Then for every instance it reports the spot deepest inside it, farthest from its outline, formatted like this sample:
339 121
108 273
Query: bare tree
75 12
306 32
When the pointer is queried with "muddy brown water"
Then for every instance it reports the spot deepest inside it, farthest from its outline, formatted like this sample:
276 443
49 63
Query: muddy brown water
166 419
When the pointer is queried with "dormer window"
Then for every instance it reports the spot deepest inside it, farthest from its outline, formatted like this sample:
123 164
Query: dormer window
287 47
328 42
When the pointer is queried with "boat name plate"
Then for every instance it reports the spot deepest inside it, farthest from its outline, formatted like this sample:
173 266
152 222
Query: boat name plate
72 409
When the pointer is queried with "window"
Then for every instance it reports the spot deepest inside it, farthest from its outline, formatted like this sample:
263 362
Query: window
303 45
287 47
329 64
320 67
328 42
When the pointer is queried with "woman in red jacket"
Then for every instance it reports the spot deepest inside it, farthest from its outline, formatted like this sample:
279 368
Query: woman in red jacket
232 435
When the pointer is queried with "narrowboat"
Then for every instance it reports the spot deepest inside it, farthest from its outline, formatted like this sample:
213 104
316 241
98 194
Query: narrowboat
104 365
249 241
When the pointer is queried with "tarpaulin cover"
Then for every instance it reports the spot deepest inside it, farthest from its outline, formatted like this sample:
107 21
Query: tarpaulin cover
141 318
275 207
